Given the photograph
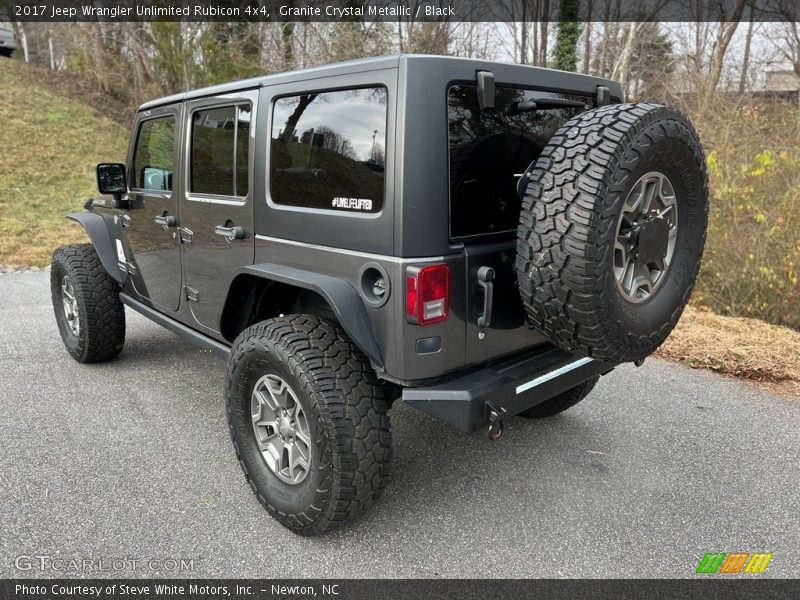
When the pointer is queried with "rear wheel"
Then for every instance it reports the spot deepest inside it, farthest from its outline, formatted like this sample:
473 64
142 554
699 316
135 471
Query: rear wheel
560 403
309 422
88 310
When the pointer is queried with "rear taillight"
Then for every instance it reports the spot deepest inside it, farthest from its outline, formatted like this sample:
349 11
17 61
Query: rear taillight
427 294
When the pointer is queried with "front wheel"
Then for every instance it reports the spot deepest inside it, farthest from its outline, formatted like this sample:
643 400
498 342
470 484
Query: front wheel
87 306
309 422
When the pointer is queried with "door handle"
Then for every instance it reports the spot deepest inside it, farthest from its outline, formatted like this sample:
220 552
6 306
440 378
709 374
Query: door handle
485 278
230 233
166 220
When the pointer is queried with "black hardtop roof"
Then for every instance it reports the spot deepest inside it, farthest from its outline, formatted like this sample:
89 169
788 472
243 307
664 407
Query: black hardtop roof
363 65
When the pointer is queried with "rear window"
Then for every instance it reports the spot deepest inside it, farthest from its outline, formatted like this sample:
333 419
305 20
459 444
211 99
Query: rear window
329 150
488 152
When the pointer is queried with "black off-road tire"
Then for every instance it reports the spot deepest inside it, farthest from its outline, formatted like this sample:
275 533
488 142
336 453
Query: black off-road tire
560 403
346 412
102 315
568 227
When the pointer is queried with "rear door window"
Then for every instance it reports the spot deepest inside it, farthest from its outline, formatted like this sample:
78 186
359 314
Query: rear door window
219 151
328 150
489 150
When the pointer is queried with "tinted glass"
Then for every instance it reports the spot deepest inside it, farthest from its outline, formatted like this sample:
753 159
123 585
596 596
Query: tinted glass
329 150
488 151
243 151
152 159
213 133
220 152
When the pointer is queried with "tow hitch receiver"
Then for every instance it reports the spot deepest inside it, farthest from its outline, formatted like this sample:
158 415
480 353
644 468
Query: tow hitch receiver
496 421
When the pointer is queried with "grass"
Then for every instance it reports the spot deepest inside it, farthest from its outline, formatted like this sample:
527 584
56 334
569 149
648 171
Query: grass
50 142
737 346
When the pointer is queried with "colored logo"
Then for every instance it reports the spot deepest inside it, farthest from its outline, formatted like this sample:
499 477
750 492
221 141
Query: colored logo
734 562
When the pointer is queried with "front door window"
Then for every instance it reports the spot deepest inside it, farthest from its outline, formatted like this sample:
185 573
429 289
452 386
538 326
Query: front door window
153 157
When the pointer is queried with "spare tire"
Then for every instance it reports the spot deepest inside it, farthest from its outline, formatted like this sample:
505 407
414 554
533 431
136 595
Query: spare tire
612 230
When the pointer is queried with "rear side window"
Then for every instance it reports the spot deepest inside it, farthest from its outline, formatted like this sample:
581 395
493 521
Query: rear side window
489 151
153 156
328 150
219 152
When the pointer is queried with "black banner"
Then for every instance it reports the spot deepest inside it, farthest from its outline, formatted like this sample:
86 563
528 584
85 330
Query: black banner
371 589
394 10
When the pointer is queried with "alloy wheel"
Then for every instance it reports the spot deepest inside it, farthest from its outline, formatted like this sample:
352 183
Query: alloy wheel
281 429
646 232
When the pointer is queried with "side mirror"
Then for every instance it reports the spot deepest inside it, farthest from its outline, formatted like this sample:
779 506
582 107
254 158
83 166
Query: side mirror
111 178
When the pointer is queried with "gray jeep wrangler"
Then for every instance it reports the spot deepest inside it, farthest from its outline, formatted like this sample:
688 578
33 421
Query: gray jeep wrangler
479 240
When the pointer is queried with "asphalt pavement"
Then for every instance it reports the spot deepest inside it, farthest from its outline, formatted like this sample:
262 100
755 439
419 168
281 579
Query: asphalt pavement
131 461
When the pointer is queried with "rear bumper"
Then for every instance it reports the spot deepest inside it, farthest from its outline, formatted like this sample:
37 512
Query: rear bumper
514 385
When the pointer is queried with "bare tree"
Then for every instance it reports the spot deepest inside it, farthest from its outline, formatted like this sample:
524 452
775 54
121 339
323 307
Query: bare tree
744 76
541 57
518 17
788 45
643 12
587 37
726 30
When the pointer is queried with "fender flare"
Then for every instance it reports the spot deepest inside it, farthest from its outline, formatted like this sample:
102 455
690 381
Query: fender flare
97 230
338 293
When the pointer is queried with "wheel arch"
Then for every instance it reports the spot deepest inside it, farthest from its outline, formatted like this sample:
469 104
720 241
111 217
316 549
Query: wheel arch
268 290
102 240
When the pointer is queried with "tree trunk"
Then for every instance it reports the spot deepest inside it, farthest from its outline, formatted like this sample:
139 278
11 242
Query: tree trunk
51 51
726 31
621 66
744 79
400 42
291 122
523 39
587 43
24 38
543 37
568 33
287 39
602 59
